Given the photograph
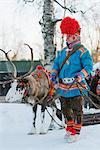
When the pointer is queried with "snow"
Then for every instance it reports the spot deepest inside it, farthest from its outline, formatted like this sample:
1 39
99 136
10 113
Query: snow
96 66
16 121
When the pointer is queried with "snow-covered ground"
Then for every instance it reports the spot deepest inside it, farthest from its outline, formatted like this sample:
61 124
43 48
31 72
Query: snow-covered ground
16 122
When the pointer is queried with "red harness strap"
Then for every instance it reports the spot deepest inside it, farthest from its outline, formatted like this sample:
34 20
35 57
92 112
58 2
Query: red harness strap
47 73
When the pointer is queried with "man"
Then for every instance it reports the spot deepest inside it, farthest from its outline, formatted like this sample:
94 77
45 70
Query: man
78 66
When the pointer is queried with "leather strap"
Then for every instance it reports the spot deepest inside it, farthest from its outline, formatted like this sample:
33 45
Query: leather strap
69 54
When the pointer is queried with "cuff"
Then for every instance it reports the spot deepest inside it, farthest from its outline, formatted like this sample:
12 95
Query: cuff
54 73
82 74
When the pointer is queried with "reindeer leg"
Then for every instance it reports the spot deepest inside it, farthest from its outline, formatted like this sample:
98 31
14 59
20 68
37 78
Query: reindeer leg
42 130
33 130
52 126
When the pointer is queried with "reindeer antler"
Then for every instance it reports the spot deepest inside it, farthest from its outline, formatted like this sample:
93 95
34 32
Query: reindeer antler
31 51
15 71
32 64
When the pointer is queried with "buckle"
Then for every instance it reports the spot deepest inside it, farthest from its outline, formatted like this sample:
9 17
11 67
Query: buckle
68 80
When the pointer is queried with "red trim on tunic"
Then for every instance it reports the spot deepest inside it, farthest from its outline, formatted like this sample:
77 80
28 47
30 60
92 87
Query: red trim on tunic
84 72
54 71
67 87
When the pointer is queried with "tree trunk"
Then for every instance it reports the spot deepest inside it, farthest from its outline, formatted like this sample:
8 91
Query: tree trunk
48 31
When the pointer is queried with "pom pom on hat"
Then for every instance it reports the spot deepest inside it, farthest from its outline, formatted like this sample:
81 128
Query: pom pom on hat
69 26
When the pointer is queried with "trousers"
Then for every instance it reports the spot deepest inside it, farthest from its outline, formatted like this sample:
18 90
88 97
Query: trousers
72 110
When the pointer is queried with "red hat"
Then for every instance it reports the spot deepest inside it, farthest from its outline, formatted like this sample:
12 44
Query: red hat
69 26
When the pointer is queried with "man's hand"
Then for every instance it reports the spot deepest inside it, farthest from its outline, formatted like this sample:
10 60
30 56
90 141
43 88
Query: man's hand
78 78
54 82
53 79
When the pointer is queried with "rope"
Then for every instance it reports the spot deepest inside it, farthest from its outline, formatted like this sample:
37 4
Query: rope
54 119
90 92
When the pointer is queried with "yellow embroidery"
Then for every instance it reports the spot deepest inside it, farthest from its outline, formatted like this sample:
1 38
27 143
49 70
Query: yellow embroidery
83 50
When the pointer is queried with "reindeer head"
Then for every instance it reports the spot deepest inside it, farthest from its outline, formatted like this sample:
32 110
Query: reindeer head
14 91
14 95
31 86
36 85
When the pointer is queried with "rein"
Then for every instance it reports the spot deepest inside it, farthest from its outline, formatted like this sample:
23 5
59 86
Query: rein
54 119
80 86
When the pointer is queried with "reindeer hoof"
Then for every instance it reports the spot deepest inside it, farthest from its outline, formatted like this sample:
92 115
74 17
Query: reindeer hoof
51 127
43 132
30 133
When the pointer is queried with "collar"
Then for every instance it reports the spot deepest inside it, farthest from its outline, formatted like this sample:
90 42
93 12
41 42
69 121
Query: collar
75 43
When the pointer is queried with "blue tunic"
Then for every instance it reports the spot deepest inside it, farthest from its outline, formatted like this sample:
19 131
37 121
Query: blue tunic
79 64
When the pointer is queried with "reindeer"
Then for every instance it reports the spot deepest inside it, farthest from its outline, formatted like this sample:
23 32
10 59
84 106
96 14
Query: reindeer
34 88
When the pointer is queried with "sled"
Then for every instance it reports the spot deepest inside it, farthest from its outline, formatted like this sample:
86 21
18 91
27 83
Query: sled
91 119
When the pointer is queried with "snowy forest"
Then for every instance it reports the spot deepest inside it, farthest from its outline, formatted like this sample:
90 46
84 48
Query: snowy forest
36 22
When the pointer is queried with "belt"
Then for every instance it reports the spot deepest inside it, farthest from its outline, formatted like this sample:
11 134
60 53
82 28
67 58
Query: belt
66 80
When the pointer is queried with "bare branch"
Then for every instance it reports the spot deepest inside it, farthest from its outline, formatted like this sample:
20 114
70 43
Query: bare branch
73 11
63 6
41 23
55 21
91 7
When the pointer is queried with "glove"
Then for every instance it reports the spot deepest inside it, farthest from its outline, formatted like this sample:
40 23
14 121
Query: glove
53 79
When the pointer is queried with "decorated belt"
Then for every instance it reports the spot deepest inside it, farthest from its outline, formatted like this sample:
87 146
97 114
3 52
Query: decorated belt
67 80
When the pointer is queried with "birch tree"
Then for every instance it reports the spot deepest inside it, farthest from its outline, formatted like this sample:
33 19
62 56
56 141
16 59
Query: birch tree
49 20
48 23
48 27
